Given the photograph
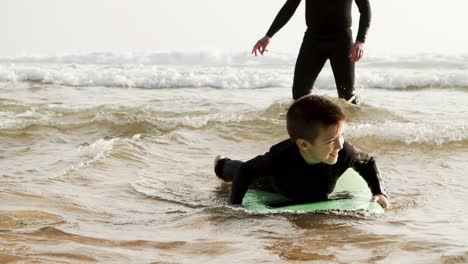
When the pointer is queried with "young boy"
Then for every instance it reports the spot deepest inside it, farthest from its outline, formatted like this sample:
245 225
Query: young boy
305 167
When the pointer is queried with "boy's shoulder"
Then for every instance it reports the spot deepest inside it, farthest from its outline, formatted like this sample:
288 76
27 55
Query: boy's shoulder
346 153
283 146
347 147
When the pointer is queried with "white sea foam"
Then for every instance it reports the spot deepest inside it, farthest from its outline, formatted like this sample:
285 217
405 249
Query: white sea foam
146 76
423 60
98 150
156 58
225 77
8 120
410 133
225 70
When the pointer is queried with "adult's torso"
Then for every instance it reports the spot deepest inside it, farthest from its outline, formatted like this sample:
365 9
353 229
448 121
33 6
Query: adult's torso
328 16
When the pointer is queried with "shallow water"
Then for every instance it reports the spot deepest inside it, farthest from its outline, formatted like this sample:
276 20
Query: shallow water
103 174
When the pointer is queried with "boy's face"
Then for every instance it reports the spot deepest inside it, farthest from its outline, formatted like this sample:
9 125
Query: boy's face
326 146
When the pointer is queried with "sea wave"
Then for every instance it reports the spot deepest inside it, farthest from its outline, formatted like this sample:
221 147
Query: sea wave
154 58
174 190
418 60
126 122
223 77
410 133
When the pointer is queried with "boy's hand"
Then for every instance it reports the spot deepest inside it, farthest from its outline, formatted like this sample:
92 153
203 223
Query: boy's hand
381 199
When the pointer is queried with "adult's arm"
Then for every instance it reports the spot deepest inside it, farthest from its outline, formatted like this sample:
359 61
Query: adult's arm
283 16
364 19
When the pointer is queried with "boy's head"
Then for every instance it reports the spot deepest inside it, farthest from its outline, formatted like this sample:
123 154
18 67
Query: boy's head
315 124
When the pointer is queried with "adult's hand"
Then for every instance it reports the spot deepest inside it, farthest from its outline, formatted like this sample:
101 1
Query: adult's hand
357 51
261 45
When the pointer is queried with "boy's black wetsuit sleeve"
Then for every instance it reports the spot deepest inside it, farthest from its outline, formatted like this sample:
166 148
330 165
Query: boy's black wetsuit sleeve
286 12
260 166
365 166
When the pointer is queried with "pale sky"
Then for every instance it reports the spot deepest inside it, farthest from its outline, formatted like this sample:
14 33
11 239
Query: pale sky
63 26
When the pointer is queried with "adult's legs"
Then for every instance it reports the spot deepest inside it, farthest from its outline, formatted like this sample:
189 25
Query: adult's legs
309 63
343 67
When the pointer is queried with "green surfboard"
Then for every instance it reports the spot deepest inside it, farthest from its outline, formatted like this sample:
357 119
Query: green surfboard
351 193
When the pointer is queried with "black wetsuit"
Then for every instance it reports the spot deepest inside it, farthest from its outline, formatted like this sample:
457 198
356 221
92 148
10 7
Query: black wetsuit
328 36
286 172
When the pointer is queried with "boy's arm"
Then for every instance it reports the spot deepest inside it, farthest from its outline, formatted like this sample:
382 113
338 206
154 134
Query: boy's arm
365 165
255 168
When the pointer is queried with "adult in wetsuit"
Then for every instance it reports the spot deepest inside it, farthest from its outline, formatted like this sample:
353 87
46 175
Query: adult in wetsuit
328 36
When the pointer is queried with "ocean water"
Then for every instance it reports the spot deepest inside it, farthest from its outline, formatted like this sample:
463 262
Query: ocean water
107 158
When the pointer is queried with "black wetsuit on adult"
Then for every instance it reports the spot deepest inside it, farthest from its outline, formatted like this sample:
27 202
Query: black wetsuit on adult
328 36
284 171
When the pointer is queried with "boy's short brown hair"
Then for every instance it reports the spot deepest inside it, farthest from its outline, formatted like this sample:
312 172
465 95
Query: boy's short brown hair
308 113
